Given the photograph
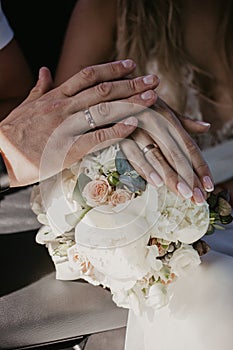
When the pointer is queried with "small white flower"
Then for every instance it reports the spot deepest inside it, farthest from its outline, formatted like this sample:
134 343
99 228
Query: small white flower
157 296
99 162
184 260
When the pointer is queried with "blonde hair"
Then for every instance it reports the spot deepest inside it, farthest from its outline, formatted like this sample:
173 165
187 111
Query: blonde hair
152 29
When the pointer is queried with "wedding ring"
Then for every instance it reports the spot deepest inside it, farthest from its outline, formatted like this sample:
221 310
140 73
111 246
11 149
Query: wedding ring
89 118
149 147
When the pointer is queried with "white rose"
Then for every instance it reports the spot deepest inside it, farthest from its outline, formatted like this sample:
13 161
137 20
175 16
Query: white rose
106 158
157 296
177 219
122 266
153 262
184 260
103 160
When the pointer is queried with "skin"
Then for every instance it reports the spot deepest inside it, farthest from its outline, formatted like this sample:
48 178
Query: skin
49 132
94 41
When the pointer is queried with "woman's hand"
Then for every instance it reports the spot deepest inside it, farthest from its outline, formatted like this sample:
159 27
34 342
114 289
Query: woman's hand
47 132
175 160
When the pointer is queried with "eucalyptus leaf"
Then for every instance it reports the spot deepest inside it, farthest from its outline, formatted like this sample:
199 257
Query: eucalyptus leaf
132 183
83 180
122 164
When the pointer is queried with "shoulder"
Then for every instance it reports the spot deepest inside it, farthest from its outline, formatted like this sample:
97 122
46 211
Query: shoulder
104 10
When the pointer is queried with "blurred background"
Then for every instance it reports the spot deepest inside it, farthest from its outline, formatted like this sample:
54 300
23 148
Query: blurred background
39 27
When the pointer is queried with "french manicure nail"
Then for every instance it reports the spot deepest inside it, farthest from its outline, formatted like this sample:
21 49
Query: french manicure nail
184 190
147 95
202 123
156 179
128 63
198 196
208 184
132 121
149 79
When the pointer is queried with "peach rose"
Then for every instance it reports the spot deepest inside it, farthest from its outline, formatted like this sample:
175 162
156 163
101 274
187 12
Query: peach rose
119 196
96 192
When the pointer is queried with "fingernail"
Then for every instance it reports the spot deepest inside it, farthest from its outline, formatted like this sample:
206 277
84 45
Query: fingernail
147 95
184 190
203 123
40 73
149 79
208 184
156 179
198 196
132 121
128 63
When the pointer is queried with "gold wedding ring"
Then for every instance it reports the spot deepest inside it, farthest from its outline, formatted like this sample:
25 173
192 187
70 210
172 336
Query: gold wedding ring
89 118
149 147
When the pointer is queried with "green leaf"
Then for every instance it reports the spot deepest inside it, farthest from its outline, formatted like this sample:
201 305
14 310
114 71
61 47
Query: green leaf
226 219
133 184
83 180
122 164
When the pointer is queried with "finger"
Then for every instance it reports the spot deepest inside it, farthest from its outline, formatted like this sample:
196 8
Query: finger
43 85
108 91
180 160
139 163
180 179
100 139
90 76
177 146
108 113
200 166
194 126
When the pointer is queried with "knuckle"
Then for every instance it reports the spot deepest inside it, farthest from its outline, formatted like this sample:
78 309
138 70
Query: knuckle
88 74
132 85
155 155
101 135
171 176
114 67
202 168
191 146
104 109
104 89
176 155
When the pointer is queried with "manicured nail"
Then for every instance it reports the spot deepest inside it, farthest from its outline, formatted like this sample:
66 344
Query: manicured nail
147 95
208 184
198 196
156 179
128 63
184 190
203 123
148 80
132 121
40 73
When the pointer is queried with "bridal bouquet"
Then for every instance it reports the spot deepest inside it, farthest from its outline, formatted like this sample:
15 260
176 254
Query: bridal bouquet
104 223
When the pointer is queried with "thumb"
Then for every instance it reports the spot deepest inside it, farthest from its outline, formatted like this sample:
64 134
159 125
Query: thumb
43 85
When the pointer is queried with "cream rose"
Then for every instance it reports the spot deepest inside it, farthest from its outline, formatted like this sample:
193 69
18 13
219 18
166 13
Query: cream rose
119 196
184 260
96 192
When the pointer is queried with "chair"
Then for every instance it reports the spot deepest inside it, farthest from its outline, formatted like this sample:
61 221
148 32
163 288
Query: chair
39 312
